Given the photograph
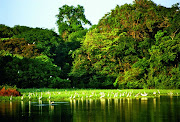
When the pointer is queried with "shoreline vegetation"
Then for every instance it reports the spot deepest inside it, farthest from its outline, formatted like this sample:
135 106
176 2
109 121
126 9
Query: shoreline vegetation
46 94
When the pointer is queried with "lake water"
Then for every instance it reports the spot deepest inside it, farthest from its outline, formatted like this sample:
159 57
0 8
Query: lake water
161 109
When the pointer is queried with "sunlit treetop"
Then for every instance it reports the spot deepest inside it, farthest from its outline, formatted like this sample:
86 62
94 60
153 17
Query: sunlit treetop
141 19
71 19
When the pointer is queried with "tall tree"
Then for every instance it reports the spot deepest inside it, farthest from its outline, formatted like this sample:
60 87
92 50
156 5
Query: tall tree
71 19
134 46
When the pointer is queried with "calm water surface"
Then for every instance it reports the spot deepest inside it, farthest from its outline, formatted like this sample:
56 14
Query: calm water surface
161 109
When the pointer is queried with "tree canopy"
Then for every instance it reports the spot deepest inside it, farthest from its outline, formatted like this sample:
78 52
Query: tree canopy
133 46
71 19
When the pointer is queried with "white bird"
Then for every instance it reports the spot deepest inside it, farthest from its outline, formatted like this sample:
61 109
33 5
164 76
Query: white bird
11 98
102 96
40 97
22 97
154 93
116 94
123 94
52 102
29 96
108 95
129 95
137 95
170 93
70 97
145 94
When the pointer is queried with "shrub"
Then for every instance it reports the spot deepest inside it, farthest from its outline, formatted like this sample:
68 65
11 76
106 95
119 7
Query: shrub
9 91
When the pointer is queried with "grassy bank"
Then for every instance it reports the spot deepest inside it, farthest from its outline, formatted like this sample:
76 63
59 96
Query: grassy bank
67 94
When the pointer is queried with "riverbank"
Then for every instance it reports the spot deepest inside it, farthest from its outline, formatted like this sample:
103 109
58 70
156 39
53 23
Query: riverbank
46 94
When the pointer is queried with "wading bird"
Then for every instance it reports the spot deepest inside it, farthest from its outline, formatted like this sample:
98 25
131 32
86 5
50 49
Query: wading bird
145 94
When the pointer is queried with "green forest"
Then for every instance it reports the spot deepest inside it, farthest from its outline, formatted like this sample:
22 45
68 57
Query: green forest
134 46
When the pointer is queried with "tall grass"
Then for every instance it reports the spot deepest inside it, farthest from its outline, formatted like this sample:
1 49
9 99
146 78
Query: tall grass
67 94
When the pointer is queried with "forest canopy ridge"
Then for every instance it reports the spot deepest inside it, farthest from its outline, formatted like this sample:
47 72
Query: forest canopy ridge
133 46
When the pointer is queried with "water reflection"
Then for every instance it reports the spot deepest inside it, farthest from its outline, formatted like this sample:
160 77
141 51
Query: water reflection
158 109
140 109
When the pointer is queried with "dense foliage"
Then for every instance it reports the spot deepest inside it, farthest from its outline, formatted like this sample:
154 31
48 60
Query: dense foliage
9 91
71 19
26 58
133 46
